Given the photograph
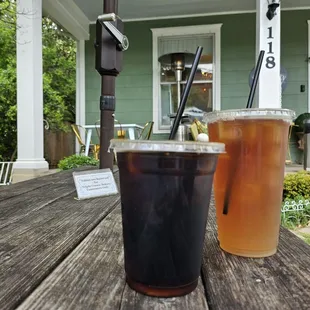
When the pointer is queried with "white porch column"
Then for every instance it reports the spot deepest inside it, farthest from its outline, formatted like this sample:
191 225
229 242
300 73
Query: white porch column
80 87
30 148
268 38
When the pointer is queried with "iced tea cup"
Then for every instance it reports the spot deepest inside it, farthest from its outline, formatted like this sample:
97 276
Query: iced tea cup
248 182
165 194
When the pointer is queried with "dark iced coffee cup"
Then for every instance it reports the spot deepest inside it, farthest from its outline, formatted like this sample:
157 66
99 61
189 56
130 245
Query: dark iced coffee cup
165 194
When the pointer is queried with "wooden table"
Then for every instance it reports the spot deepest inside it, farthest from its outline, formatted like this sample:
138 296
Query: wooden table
60 253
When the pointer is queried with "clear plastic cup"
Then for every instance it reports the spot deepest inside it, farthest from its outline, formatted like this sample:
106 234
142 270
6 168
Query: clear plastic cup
165 194
248 182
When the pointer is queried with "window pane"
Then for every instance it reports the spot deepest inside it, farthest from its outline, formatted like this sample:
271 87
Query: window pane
178 51
185 44
166 103
199 101
203 73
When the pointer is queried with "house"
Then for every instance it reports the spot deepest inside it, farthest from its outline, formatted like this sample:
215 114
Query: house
231 32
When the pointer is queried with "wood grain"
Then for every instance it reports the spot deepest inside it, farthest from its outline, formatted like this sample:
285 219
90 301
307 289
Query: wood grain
92 277
195 300
31 201
36 242
13 190
281 281
60 253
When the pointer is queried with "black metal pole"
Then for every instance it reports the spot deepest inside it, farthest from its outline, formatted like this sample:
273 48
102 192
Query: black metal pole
107 104
107 123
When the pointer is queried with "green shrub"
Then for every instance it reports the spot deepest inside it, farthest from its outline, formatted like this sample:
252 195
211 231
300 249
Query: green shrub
75 161
296 184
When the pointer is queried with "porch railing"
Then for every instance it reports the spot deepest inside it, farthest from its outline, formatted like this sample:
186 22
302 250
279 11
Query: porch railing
6 169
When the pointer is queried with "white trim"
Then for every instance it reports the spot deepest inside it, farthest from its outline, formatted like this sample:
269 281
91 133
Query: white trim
127 20
69 15
268 38
309 66
186 30
80 87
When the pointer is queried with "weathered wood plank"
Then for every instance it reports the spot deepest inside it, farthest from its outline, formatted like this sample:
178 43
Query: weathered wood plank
9 191
22 205
281 281
135 301
52 189
92 277
13 190
33 245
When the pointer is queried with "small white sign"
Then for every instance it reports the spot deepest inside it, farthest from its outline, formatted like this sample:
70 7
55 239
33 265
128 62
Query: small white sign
94 183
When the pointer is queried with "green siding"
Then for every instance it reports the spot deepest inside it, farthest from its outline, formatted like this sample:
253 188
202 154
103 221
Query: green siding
134 84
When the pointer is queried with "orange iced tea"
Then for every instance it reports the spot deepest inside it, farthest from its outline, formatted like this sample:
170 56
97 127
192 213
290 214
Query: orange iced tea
253 167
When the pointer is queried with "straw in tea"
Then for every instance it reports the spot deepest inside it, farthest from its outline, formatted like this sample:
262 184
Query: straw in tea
255 79
248 106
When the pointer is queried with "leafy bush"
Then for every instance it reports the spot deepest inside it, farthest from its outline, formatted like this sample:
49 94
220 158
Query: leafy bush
296 184
296 218
76 161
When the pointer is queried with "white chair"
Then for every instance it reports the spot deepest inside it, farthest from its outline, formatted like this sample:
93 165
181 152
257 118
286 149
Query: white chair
6 172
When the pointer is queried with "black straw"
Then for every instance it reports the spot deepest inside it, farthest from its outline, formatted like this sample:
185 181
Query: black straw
185 94
255 79
248 106
230 182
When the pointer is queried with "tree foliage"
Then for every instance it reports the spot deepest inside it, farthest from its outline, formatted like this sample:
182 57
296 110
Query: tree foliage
58 76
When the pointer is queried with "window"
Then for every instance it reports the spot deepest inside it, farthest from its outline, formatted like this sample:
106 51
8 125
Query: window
171 45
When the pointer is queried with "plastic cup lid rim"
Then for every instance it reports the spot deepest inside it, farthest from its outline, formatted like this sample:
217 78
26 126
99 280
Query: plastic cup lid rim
253 113
121 145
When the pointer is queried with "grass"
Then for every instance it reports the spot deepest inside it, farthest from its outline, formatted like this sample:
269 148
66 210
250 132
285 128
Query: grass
295 220
292 219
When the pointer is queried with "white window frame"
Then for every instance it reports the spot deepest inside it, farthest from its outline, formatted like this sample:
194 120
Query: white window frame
214 29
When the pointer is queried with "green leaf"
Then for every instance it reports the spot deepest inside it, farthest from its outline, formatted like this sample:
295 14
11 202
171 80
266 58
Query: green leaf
76 161
58 78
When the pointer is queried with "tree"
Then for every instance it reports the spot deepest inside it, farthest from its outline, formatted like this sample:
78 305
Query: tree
59 51
7 80
58 76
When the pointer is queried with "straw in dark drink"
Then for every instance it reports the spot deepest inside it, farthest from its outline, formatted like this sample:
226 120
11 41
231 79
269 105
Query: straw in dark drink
248 106
185 93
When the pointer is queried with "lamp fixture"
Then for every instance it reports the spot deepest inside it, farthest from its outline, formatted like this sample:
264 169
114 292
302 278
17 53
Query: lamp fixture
177 62
272 7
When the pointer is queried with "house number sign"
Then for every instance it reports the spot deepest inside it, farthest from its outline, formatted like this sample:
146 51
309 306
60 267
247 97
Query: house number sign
270 59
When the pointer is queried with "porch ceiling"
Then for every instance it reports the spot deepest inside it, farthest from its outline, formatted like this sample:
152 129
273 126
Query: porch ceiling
148 9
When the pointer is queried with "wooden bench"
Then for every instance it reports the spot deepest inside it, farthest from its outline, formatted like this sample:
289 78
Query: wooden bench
60 253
